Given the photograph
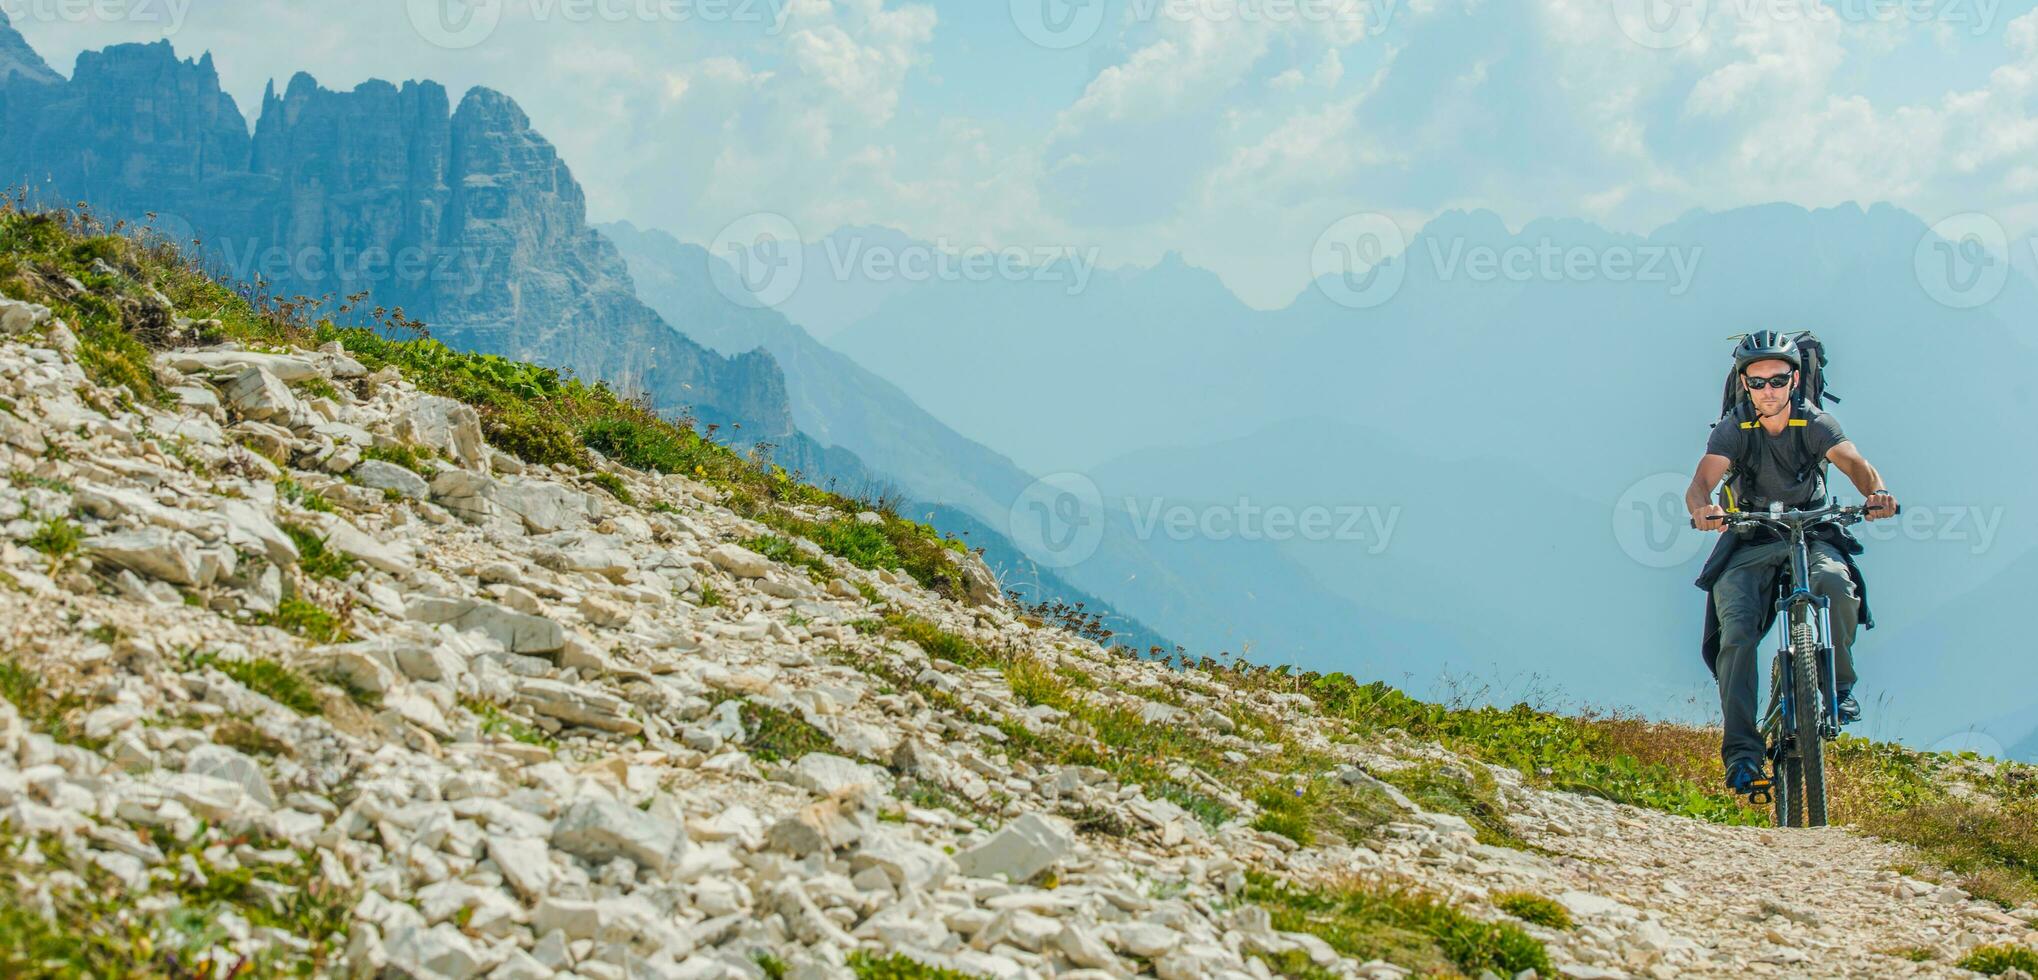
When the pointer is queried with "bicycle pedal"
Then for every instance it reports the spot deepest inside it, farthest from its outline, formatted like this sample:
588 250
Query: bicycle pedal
1760 797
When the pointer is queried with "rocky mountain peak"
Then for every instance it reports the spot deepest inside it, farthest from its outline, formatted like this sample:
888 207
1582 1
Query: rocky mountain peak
18 60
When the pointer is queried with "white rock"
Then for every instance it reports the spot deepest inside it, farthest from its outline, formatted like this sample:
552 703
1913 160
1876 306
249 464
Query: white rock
739 561
1019 850
578 705
441 949
225 763
544 506
833 775
526 864
599 830
172 556
257 394
17 316
383 475
517 632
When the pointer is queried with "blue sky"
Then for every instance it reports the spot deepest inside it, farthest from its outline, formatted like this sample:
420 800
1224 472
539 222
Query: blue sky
1233 131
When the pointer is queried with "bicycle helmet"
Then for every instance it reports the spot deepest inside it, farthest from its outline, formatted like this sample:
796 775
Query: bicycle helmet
1767 345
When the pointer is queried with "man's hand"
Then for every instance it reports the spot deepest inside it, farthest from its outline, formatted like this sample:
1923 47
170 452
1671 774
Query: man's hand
1708 518
1881 504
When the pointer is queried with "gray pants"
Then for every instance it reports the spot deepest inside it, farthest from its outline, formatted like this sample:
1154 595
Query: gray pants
1740 598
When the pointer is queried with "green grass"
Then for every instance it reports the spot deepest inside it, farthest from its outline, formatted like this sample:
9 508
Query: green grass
1530 907
57 537
1468 793
495 722
781 736
317 560
897 967
308 619
1321 810
784 552
99 930
297 493
2000 958
615 487
244 737
940 643
266 677
536 414
1621 760
710 598
1408 927
415 459
44 710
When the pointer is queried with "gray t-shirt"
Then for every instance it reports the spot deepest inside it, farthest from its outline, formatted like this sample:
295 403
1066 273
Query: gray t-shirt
1779 459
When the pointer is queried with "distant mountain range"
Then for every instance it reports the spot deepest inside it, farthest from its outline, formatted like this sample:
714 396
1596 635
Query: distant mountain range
1512 418
466 219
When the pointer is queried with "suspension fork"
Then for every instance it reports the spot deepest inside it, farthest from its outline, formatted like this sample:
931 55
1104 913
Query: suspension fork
1821 619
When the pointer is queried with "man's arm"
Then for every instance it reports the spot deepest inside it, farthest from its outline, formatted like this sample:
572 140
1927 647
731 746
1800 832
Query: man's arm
1866 479
1698 497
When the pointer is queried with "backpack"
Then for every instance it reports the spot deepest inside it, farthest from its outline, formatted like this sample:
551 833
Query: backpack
1738 410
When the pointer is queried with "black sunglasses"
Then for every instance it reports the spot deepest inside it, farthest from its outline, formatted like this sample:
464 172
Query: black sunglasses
1779 381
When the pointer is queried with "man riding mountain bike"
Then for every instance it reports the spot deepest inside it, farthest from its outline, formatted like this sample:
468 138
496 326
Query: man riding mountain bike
1776 446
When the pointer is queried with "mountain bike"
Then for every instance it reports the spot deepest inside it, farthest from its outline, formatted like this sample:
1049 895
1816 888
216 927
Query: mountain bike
1804 706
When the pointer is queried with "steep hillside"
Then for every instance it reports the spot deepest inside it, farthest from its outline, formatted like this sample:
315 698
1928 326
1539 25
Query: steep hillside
462 217
334 654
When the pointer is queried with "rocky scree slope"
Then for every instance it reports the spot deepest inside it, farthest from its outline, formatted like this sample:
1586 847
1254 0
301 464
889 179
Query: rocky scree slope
301 672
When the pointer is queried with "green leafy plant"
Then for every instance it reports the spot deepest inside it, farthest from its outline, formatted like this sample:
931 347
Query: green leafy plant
1368 920
264 676
301 616
2000 958
776 735
314 556
1530 907
56 537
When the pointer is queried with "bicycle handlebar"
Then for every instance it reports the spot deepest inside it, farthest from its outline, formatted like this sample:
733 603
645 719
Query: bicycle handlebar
1830 514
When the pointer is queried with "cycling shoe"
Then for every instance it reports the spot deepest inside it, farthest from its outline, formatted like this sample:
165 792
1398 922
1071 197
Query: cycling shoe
1746 777
1850 709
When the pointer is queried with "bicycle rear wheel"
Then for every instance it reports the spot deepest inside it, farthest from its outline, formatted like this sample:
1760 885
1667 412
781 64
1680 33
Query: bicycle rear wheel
1808 708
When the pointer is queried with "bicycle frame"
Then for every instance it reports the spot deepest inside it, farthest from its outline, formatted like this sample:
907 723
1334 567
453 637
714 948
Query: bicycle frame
1795 594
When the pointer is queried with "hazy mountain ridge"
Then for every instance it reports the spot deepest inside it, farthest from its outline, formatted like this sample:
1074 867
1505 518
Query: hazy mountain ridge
488 218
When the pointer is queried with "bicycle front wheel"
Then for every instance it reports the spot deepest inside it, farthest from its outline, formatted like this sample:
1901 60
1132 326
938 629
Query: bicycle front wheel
1808 796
